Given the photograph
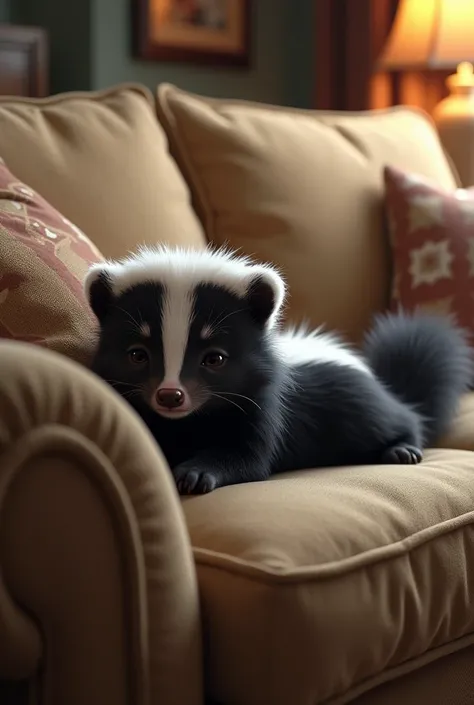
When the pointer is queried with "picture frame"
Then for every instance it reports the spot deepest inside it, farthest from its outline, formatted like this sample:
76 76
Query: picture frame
213 32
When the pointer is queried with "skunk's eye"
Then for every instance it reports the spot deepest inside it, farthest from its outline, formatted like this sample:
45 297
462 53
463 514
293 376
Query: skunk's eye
138 355
214 359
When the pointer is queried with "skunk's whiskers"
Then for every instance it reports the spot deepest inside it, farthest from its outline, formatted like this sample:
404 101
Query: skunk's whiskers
214 394
242 396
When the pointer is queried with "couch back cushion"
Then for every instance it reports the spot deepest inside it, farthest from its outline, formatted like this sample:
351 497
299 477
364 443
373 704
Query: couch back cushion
303 189
102 160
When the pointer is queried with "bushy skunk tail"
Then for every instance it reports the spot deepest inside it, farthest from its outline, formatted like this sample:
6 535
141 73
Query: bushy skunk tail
425 361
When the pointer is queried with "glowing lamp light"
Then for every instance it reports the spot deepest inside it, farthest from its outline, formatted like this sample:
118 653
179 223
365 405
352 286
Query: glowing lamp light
439 34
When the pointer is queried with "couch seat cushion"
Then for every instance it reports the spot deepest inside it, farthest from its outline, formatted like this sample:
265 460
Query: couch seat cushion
317 586
102 160
303 189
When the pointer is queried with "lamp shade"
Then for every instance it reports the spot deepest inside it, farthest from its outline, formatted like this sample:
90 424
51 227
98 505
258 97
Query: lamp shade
436 34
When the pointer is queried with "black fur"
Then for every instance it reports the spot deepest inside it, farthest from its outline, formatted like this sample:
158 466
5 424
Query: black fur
426 362
261 415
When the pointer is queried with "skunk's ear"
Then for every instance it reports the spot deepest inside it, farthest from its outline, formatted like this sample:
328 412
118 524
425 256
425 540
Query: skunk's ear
98 290
266 295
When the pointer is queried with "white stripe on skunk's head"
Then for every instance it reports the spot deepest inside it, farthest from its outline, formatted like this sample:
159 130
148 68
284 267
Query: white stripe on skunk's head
185 309
261 285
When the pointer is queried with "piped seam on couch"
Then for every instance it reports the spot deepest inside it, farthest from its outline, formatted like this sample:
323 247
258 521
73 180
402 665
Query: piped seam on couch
401 669
87 96
399 549
165 88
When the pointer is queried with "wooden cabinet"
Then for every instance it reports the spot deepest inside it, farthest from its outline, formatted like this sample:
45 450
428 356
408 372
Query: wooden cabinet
24 69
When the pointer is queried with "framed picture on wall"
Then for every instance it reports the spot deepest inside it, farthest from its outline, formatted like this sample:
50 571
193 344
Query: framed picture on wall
196 31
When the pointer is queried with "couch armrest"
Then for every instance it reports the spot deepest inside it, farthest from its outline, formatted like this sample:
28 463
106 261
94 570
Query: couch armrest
98 590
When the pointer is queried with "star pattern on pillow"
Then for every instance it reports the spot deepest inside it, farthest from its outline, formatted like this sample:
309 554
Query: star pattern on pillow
431 235
430 263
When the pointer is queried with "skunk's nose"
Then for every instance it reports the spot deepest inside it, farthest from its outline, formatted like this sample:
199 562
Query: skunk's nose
170 398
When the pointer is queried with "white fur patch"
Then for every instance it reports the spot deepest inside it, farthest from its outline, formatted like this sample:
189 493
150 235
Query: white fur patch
176 319
145 330
176 268
300 346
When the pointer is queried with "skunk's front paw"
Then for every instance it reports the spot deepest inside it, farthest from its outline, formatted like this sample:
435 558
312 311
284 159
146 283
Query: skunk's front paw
192 478
402 455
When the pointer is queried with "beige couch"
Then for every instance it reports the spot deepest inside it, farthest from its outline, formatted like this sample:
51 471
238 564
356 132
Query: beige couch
317 587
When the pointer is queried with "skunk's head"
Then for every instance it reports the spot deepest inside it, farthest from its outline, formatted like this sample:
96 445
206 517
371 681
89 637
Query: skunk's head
184 330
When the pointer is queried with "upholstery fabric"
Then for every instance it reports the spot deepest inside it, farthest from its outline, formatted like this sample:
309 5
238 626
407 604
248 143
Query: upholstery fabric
97 586
432 238
102 160
43 259
303 189
314 588
447 681
461 434
318 586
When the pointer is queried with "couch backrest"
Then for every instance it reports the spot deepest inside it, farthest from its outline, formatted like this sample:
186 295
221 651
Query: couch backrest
102 160
303 189
300 188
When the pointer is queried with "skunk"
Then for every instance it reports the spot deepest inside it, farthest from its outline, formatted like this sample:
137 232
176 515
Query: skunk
192 340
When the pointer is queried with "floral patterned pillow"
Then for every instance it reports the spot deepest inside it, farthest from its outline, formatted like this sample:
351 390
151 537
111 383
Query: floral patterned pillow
432 239
43 259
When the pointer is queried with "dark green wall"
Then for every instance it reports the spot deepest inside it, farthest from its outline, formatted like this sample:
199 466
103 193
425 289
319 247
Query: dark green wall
69 27
299 54
4 10
90 49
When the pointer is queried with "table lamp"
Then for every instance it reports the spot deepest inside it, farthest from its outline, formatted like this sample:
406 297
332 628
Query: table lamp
439 34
